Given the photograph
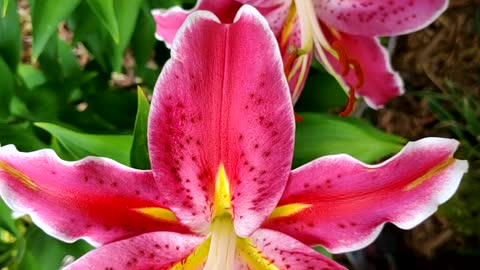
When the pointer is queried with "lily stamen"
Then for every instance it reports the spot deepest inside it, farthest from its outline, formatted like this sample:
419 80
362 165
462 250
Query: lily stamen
292 52
357 68
346 64
350 103
342 57
288 26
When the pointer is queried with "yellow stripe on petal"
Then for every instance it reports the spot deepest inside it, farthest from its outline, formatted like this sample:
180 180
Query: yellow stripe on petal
288 26
157 213
253 256
19 176
432 172
223 203
288 210
194 260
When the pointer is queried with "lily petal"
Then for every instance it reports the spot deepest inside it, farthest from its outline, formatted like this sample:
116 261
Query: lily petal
92 198
271 250
228 103
169 21
275 11
379 18
156 250
296 66
380 82
341 203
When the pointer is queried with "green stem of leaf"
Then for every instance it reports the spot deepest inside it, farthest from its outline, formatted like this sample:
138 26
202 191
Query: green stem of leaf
4 9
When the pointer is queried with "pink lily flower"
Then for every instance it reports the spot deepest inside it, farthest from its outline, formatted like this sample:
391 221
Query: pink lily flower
221 194
343 35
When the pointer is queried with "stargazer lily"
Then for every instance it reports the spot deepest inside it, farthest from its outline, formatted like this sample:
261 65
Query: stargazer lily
220 194
342 34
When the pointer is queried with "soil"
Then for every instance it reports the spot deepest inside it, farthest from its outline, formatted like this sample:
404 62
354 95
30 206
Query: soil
447 50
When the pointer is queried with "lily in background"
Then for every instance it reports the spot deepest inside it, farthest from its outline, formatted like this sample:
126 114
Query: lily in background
342 34
221 193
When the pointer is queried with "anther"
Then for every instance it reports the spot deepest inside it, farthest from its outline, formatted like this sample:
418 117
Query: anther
351 102
358 72
298 118
342 57
292 53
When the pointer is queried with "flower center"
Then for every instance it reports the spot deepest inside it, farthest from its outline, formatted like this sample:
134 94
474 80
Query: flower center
313 38
221 255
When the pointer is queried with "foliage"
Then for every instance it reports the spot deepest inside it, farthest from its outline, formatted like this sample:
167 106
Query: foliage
459 111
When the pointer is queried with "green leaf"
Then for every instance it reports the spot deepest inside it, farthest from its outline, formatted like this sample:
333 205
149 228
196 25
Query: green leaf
6 221
10 35
167 3
321 93
7 255
7 89
4 9
44 103
46 14
18 108
107 53
21 135
445 116
127 12
85 26
104 10
139 153
143 39
58 61
117 107
46 253
32 77
71 144
319 135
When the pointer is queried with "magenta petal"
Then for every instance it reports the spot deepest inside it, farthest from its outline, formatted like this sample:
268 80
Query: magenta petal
156 250
94 198
381 83
275 11
379 17
350 201
284 252
169 21
222 99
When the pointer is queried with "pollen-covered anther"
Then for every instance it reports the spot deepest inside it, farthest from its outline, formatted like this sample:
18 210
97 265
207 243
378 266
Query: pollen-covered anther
292 52
347 63
342 57
350 103
298 118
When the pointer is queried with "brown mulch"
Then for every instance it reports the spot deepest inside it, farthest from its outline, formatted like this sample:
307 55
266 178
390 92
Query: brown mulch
448 50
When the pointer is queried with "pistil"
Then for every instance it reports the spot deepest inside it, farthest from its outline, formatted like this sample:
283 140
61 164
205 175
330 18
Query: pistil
221 255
